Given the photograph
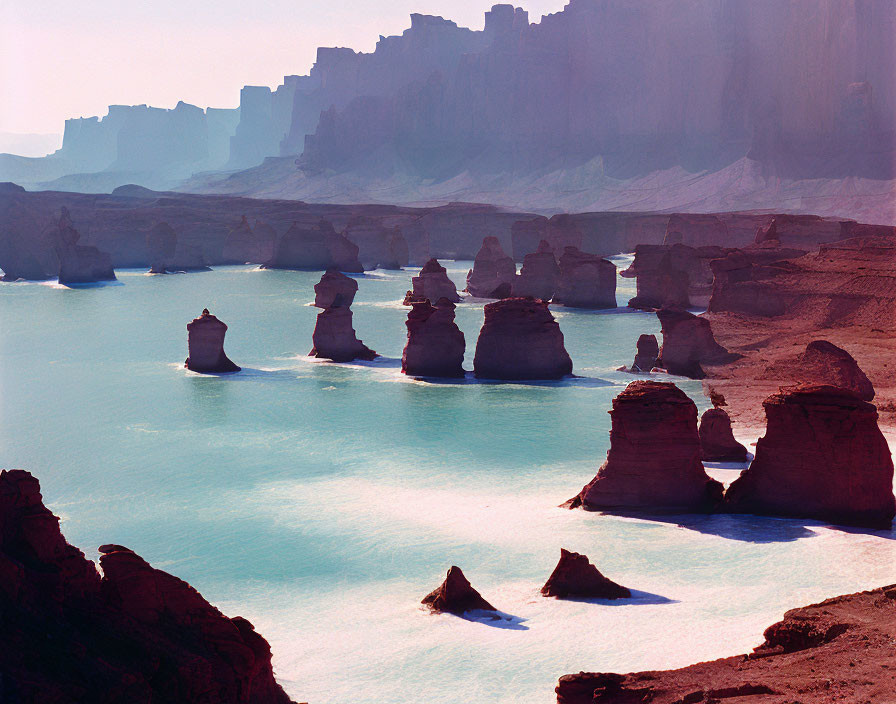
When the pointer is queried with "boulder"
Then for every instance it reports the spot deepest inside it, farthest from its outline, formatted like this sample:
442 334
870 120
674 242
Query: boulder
823 456
137 634
520 340
433 283
648 352
456 596
334 337
574 576
435 346
334 283
717 443
538 275
492 269
654 457
315 248
688 343
585 281
205 340
825 363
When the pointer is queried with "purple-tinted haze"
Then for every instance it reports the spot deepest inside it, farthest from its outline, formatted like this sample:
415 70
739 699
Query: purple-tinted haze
61 59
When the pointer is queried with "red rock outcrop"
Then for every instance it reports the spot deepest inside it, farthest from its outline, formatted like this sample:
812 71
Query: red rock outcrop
205 340
520 340
538 275
334 283
79 264
585 281
493 271
825 363
334 337
574 576
314 248
665 285
136 635
654 456
837 651
456 596
768 236
648 351
688 344
435 346
823 457
739 286
433 283
717 443
246 245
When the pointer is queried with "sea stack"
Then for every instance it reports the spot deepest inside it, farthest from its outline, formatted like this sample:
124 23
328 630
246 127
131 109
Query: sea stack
456 596
137 634
315 248
244 245
334 283
648 352
161 243
585 281
435 346
538 275
493 271
663 286
823 456
654 456
379 247
717 443
688 343
79 264
433 283
520 340
205 339
334 337
574 576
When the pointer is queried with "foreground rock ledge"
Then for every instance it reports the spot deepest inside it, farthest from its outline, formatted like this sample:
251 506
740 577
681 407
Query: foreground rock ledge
839 650
137 634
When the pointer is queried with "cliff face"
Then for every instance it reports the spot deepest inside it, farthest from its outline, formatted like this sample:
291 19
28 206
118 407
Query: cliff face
136 634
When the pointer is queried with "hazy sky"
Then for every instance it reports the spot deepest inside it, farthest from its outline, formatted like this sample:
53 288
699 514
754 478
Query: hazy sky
72 58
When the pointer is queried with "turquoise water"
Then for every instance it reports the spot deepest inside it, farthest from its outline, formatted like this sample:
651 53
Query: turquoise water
324 501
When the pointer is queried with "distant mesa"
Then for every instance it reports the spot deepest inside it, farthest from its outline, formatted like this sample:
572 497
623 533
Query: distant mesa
493 271
456 596
520 340
432 283
823 456
205 338
435 346
334 337
654 458
334 283
575 577
717 443
585 281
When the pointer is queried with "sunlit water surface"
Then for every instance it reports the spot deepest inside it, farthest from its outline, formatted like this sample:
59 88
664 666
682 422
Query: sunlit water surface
324 501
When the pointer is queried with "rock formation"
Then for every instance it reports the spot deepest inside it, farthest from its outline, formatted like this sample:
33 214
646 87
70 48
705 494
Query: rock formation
688 344
823 457
456 596
538 275
663 286
717 443
574 576
161 242
493 271
433 283
739 287
560 231
654 456
79 264
585 281
520 340
768 236
825 363
334 283
205 340
648 352
315 248
379 247
135 635
334 337
838 650
245 245
435 346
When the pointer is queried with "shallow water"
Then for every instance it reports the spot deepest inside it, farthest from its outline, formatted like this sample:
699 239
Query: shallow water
324 501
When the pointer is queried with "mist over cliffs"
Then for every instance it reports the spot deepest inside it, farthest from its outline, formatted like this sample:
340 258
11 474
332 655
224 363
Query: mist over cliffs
709 104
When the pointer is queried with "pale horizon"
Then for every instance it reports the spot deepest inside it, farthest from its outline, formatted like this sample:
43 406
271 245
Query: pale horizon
65 61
